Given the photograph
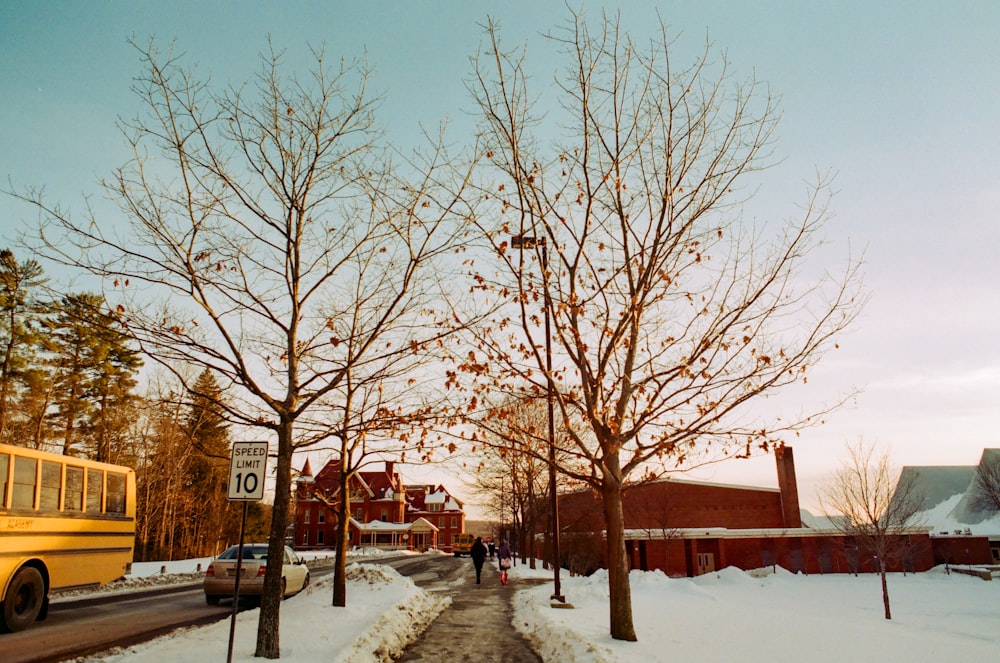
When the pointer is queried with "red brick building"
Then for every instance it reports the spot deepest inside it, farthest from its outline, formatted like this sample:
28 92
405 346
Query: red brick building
687 528
385 513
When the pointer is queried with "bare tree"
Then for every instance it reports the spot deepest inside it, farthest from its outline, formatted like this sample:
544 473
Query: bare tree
668 316
382 410
987 482
514 483
263 227
877 509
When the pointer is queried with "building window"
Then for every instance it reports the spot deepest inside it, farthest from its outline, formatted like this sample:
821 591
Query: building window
305 515
322 516
305 538
433 507
385 516
319 538
359 514
454 521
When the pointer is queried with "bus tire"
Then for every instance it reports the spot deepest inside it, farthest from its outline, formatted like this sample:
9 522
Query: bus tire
25 597
212 599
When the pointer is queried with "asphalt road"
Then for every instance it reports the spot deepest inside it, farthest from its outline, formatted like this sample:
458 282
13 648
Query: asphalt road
477 625
85 626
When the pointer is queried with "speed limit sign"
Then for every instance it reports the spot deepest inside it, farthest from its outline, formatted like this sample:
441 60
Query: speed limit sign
246 471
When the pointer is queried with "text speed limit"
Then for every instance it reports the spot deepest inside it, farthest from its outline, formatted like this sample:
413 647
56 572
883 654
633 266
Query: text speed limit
246 471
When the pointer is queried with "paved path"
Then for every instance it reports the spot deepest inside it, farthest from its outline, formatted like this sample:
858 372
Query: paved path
477 626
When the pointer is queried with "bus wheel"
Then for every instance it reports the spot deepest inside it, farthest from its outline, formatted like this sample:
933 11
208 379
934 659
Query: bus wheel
24 599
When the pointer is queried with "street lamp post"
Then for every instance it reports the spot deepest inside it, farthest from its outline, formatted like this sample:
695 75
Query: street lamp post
522 242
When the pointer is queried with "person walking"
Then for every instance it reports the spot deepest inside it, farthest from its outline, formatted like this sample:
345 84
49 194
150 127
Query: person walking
493 548
478 554
506 558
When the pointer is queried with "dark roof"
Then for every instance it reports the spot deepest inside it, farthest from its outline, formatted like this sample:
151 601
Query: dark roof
933 484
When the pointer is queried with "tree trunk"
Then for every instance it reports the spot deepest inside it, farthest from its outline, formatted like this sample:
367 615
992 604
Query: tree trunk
622 627
270 601
343 538
885 587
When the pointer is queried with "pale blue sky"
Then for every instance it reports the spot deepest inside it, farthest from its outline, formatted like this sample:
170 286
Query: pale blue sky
899 99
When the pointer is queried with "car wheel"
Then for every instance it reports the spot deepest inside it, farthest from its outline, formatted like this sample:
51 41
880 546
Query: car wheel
25 597
284 586
305 582
212 599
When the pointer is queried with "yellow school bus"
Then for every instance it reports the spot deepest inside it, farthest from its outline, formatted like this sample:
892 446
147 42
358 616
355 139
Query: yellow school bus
65 523
461 544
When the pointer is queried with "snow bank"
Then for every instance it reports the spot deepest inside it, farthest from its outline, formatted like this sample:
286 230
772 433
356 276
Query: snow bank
384 613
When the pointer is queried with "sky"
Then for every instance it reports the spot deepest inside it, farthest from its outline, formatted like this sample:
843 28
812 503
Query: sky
896 99
729 615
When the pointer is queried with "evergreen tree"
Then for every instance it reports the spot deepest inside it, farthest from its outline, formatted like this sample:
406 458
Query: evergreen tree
208 465
94 370
114 364
19 282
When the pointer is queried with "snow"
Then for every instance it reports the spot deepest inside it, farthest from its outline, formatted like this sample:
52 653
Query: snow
942 518
729 615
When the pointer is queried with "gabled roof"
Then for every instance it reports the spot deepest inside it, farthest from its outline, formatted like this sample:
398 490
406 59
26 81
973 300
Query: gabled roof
380 482
441 496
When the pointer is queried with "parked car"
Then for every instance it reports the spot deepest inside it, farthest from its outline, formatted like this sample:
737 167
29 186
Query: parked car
220 577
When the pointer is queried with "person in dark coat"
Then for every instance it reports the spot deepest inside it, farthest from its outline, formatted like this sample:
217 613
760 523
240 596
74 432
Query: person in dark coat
478 554
493 548
506 558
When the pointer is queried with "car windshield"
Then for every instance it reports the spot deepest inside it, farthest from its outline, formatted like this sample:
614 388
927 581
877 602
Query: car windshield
249 552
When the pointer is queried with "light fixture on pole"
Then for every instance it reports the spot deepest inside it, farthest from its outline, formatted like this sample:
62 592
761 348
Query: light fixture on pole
521 243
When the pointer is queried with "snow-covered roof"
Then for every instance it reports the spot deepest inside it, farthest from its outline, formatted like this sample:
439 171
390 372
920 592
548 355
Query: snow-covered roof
437 497
727 533
933 484
380 526
947 497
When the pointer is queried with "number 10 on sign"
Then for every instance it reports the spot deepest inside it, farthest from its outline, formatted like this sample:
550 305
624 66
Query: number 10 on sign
247 471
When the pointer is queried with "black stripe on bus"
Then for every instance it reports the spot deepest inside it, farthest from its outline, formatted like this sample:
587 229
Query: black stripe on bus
71 551
73 515
21 532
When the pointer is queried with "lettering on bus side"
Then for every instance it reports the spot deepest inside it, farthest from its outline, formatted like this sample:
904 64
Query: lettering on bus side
19 523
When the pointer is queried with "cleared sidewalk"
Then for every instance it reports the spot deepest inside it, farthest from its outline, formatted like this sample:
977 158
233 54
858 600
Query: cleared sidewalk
477 626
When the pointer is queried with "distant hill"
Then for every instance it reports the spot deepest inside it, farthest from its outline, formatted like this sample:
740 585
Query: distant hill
483 528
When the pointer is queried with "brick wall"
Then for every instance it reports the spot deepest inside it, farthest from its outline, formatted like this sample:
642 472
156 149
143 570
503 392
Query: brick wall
678 504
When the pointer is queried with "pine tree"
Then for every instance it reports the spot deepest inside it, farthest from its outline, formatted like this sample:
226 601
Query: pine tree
94 369
207 470
19 283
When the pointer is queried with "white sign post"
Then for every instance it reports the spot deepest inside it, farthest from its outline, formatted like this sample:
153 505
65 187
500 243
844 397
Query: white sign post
247 468
246 471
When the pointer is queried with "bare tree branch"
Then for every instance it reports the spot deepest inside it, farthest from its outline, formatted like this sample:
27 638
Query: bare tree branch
671 318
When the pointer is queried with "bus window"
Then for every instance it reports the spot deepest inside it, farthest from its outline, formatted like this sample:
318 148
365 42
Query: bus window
24 483
48 497
4 469
73 499
95 490
116 493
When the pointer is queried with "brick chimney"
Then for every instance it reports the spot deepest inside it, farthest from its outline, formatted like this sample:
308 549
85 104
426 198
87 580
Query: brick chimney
788 486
